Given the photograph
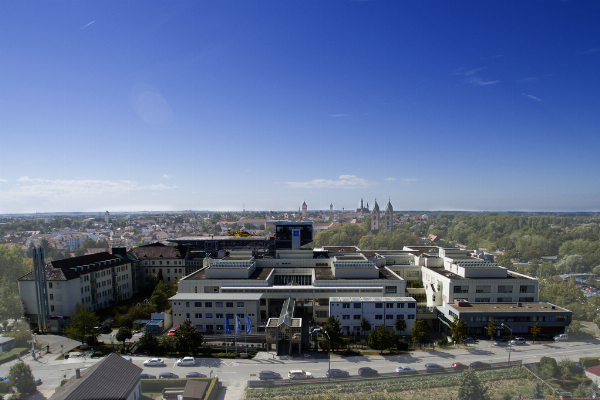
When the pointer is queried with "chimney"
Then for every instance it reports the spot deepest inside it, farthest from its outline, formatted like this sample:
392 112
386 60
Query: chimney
78 373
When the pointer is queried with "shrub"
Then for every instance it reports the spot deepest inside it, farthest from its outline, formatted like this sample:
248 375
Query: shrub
5 387
549 367
587 362
442 341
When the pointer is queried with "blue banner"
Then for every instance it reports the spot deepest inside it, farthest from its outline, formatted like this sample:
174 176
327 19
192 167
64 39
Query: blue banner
248 325
227 325
238 325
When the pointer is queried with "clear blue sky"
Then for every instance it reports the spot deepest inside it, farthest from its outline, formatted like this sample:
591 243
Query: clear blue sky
176 105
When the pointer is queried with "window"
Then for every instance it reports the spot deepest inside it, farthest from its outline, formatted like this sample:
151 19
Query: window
219 304
229 304
482 300
526 289
209 327
219 327
505 289
526 299
357 317
240 304
357 305
412 316
345 317
345 305
168 270
208 315
378 305
168 279
197 304
483 289
208 304
230 316
152 264
219 316
399 305
50 285
504 299
241 317
389 317
399 316
389 305
160 263
412 305
51 296
461 289
391 289
187 315
378 316
198 315
187 303
452 314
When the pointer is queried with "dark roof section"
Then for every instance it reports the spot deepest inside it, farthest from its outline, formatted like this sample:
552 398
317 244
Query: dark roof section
67 269
113 378
195 390
158 251
258 274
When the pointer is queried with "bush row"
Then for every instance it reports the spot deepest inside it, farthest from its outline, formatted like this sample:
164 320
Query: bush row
12 354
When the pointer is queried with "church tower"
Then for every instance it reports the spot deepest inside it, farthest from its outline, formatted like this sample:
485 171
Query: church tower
375 219
389 217
304 210
331 208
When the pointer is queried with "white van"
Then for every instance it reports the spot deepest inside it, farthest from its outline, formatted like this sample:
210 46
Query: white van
563 337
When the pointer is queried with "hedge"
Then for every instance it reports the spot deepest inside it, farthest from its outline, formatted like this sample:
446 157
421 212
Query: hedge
5 387
12 354
587 362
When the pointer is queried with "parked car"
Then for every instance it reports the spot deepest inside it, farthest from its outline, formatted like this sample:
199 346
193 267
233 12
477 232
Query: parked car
563 337
458 366
469 340
337 373
154 362
367 371
299 374
147 376
186 361
195 375
433 367
500 342
479 365
38 381
518 340
406 370
172 332
167 375
264 375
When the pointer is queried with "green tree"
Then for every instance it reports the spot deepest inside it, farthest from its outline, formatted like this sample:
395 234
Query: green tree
536 391
187 338
365 325
167 344
82 326
492 327
22 378
334 332
382 338
458 328
471 387
535 330
160 301
549 367
123 334
419 331
400 325
148 342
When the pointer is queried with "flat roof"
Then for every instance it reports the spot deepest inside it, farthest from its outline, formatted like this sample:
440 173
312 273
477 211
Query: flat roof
367 299
216 296
444 272
258 274
508 307
212 238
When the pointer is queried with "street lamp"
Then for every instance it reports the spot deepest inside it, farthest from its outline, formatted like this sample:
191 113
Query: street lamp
510 342
328 356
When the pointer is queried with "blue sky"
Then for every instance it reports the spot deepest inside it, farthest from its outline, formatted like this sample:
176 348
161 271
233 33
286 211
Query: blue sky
177 105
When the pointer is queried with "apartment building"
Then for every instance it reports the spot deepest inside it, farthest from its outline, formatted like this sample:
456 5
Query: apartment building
94 280
157 259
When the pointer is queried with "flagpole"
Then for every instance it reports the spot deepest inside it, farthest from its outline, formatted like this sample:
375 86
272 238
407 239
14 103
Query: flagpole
246 335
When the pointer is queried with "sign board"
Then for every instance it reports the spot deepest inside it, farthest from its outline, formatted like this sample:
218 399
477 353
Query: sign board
252 374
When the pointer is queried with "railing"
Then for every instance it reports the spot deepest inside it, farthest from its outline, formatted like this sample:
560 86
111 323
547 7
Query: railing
388 375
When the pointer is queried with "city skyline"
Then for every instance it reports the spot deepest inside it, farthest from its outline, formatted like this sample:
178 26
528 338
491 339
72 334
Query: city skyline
474 106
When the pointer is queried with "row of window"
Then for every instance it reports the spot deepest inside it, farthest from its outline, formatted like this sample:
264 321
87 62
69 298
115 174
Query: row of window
504 300
543 318
167 263
175 270
218 304
215 315
380 305
379 316
501 289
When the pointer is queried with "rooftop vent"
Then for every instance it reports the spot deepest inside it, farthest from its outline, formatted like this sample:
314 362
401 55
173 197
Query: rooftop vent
528 306
554 307
512 306
496 307
544 307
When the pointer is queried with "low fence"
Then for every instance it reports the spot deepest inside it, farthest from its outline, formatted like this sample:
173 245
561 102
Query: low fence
389 375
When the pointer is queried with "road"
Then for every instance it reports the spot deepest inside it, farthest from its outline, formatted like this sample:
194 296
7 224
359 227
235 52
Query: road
235 373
